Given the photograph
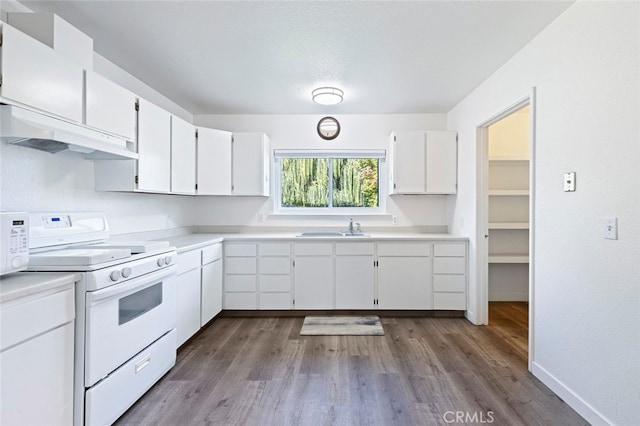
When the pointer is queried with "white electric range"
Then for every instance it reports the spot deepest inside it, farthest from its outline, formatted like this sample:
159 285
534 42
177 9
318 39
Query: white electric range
125 338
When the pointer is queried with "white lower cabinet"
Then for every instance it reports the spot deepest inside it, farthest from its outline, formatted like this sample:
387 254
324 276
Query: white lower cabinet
274 279
313 276
355 276
450 276
404 276
211 280
240 276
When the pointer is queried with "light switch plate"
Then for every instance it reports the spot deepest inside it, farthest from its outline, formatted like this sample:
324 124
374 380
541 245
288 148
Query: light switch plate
611 228
570 182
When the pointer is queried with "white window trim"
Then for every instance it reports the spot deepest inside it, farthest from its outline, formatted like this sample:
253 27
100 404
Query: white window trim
381 210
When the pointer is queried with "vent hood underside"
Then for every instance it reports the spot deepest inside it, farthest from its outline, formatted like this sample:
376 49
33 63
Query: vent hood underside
24 127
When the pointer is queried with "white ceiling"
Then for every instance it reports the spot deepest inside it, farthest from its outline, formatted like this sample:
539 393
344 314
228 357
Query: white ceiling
241 57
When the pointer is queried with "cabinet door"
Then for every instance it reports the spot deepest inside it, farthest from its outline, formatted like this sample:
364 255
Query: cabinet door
109 107
214 162
250 164
183 157
404 283
154 148
442 163
35 75
188 305
354 282
211 291
409 163
313 282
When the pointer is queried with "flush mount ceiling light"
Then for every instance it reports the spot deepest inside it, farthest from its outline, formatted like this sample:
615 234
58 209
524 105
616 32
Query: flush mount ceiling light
327 95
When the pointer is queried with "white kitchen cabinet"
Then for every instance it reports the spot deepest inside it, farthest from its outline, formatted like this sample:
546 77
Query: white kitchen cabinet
313 276
449 276
37 355
211 280
240 276
355 276
423 162
250 164
404 276
274 275
187 295
214 162
109 107
183 157
33 74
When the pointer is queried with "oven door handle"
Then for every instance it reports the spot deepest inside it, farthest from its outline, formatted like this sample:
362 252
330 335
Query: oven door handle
126 288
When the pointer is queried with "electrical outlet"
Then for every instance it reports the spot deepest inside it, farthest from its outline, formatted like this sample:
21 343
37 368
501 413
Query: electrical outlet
394 220
570 182
611 228
260 217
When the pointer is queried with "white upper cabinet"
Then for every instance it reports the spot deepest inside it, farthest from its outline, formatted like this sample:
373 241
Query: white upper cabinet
183 157
250 164
109 107
154 148
33 74
423 162
214 162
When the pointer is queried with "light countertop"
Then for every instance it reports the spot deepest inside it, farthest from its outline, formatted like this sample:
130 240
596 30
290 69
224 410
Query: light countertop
22 284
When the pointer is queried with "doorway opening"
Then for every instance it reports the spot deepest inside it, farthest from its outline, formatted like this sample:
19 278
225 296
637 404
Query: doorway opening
506 214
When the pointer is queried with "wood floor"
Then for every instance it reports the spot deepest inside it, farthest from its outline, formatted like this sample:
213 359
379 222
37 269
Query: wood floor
424 371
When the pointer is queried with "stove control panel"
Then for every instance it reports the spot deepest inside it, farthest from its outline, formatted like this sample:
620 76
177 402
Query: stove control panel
14 243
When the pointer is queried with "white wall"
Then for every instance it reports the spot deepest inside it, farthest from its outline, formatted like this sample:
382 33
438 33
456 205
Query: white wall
299 131
586 68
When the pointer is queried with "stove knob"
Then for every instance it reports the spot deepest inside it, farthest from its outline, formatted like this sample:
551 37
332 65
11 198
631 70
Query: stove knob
168 260
115 276
160 262
126 272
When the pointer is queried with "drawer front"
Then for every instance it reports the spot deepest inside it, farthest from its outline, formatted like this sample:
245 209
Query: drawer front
240 249
453 301
211 253
454 283
275 249
399 249
275 265
240 265
314 249
240 283
275 301
449 265
275 283
188 260
446 250
240 301
354 249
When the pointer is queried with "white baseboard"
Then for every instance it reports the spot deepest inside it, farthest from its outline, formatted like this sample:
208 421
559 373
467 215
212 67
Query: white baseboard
582 407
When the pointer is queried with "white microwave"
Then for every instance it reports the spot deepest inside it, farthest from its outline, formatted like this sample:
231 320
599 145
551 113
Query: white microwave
14 242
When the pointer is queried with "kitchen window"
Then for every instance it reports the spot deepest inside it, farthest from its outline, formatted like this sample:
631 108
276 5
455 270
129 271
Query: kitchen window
319 181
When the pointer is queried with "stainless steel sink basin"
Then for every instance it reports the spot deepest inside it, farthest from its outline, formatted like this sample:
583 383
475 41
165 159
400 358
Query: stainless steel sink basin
334 234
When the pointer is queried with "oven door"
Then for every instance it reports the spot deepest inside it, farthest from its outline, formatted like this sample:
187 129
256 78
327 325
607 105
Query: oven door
123 319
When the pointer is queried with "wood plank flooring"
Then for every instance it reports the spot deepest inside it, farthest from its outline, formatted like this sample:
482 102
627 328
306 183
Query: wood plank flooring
424 371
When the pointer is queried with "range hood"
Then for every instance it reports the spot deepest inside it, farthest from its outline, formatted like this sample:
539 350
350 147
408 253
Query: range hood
24 127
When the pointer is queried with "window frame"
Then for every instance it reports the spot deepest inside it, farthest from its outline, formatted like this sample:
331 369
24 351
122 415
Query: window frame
380 154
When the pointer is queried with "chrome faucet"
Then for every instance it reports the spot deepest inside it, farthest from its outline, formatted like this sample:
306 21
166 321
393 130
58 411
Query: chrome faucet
350 229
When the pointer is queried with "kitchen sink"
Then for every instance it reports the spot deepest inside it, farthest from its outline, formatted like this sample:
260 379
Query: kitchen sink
332 234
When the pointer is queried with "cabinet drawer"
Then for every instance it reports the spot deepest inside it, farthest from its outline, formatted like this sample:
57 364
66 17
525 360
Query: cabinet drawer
242 249
449 283
412 250
275 265
240 283
275 283
241 301
275 249
449 265
445 250
314 249
240 265
275 301
211 253
454 301
188 260
347 249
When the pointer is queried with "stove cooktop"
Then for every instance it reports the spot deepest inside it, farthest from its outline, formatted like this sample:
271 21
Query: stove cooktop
77 257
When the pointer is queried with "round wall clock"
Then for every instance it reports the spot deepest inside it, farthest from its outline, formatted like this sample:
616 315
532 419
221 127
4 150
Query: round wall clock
328 128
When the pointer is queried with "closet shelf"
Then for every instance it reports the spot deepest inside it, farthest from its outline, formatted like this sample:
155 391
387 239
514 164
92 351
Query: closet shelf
508 258
508 225
508 161
509 192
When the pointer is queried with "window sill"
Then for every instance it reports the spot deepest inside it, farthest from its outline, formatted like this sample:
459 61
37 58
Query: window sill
325 213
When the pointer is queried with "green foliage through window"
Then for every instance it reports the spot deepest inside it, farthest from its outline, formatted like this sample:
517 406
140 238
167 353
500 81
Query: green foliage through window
305 182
